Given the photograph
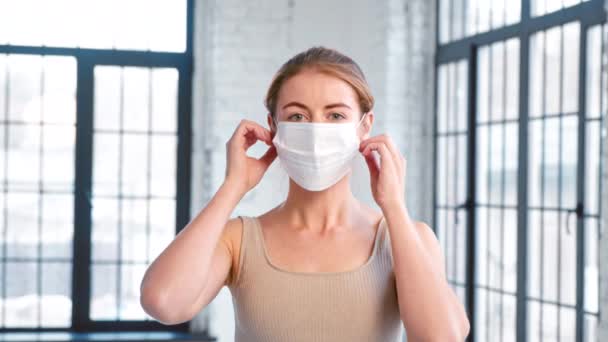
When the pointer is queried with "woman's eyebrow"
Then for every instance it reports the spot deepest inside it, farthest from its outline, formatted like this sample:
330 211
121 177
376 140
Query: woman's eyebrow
303 106
339 104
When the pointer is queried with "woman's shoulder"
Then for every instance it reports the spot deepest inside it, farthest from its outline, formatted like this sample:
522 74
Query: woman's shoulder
231 237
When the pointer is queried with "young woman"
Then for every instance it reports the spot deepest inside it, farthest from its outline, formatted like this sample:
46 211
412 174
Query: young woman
322 265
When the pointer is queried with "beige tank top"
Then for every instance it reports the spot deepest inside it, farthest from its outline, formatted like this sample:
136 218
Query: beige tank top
271 304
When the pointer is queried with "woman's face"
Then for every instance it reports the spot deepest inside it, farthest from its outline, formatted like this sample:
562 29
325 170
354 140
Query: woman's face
312 96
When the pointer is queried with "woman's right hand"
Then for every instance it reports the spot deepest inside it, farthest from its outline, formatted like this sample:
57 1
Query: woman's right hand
242 170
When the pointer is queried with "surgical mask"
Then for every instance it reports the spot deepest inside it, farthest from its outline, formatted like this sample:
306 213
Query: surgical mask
317 155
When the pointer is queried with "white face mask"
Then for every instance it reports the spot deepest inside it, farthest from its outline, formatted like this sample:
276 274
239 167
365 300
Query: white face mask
317 155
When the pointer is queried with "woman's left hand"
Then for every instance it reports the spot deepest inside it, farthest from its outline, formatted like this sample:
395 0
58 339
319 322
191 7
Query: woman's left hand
387 176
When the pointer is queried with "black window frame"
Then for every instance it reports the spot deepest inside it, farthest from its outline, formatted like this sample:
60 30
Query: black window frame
86 60
587 14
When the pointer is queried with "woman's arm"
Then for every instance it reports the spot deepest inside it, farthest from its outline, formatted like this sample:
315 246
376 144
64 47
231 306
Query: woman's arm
189 273
429 308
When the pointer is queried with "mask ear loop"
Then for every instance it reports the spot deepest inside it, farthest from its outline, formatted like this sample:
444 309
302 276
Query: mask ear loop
276 124
360 121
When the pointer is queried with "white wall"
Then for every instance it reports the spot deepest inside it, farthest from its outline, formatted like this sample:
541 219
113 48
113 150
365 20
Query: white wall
239 45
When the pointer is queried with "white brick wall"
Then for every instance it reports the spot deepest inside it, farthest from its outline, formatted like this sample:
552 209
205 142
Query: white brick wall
239 45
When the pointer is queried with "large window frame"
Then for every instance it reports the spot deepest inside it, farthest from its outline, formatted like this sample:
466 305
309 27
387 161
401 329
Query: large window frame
587 14
86 61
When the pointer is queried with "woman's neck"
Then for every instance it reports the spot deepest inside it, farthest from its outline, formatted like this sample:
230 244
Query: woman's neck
320 210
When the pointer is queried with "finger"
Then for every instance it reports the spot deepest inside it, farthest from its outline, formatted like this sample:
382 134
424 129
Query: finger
372 164
248 133
268 157
386 158
386 139
250 127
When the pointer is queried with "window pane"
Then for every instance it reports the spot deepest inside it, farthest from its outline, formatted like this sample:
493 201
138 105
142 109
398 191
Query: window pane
163 172
550 163
445 20
56 300
496 167
108 87
442 98
553 54
541 7
498 13
509 332
164 100
535 238
461 101
567 324
21 301
512 78
497 72
569 161
131 276
537 74
462 18
549 254
442 167
481 325
536 162
482 164
591 272
104 292
483 83
570 68
594 71
105 213
511 169
591 327
58 225
158 25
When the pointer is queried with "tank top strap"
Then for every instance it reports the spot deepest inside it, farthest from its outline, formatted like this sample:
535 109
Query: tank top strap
385 248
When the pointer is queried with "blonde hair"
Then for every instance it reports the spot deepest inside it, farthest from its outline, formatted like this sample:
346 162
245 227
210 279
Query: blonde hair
327 61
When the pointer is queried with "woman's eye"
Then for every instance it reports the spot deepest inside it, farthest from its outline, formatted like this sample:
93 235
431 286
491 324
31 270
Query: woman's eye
337 116
296 117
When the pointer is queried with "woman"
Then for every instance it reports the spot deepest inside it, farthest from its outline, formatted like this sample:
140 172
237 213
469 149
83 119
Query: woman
322 265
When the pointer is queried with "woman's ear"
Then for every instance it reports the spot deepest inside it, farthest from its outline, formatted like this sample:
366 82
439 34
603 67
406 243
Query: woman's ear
271 124
366 125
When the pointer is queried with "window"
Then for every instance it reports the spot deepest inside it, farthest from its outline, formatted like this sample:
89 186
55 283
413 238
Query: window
95 148
153 25
520 229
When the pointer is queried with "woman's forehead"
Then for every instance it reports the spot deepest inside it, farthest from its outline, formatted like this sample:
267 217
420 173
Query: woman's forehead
317 90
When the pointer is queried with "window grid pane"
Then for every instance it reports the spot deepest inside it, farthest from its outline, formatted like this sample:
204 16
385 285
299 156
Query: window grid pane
452 154
37 139
594 144
463 18
552 178
542 7
135 153
496 161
